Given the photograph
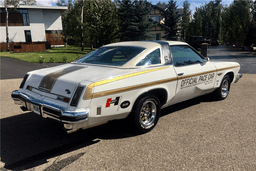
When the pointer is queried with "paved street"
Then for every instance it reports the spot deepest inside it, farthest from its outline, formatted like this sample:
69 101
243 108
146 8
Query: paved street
247 60
199 134
14 68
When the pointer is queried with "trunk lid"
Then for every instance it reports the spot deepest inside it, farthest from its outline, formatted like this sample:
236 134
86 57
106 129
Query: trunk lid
63 80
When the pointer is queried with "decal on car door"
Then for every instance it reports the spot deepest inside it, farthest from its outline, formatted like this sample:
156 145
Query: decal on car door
206 78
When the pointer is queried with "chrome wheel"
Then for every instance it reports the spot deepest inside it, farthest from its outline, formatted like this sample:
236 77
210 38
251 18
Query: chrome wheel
222 92
224 88
148 113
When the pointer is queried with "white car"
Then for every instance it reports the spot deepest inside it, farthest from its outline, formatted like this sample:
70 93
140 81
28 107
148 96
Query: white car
135 79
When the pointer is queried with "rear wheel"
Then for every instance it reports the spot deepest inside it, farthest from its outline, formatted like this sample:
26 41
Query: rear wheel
146 113
222 92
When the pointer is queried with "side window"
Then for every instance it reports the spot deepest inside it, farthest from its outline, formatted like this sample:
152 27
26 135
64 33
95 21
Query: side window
151 59
184 55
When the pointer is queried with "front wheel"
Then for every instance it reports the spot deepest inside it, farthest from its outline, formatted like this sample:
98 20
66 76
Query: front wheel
146 113
222 92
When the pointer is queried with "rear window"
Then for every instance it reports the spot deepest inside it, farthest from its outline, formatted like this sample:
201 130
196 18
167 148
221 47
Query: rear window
116 56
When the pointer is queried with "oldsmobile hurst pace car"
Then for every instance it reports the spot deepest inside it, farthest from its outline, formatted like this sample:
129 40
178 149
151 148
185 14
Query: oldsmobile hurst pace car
135 79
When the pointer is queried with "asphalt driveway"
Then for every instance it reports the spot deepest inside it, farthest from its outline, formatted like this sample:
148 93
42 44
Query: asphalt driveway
14 68
246 59
199 134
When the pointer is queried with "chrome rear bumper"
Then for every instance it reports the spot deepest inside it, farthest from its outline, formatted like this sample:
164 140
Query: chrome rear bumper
238 76
72 121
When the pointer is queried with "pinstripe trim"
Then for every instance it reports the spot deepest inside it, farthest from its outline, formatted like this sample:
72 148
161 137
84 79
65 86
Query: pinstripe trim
89 93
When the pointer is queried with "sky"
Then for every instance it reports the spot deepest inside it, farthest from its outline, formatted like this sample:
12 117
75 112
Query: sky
193 3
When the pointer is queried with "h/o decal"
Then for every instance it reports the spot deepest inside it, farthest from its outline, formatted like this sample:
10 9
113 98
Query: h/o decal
111 101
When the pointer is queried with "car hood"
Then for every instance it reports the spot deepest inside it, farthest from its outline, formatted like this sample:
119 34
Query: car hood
64 79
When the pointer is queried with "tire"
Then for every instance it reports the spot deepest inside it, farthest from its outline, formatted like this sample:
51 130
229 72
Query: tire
222 92
146 113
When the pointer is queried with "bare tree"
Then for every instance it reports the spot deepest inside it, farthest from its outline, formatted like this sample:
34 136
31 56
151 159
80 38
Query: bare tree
56 35
8 5
82 27
27 2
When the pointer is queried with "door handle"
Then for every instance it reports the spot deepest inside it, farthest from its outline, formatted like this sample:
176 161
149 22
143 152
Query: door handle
180 74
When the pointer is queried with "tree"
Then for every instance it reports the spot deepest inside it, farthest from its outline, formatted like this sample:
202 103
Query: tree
134 19
82 26
195 27
185 18
99 22
57 36
106 25
236 19
9 4
251 33
171 20
206 20
61 3
27 2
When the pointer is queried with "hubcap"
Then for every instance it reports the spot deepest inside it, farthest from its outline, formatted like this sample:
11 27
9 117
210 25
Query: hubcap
148 113
224 88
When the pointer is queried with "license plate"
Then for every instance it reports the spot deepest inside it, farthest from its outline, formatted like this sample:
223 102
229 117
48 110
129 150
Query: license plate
36 109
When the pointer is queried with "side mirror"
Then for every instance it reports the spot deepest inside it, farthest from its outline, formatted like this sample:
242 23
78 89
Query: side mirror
206 59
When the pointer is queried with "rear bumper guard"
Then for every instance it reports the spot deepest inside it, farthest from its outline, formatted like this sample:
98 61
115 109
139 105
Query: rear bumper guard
72 121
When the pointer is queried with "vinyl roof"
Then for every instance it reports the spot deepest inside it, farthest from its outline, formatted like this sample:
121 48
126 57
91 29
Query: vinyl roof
145 44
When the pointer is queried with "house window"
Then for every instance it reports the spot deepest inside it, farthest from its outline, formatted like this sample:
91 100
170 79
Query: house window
155 18
158 36
16 17
25 17
28 36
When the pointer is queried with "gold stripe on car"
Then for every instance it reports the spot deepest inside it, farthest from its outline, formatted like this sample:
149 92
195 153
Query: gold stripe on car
89 94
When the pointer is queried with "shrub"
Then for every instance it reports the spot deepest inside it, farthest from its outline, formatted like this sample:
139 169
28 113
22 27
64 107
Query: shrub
51 60
41 60
64 59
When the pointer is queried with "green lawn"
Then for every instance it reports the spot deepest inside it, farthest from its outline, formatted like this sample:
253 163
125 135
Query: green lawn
54 55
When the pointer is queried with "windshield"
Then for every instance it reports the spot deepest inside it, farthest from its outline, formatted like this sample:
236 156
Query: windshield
116 56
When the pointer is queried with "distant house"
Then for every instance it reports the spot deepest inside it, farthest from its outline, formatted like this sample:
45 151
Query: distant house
157 15
32 28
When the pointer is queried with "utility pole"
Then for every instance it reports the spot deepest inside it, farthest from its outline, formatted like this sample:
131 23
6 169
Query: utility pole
82 27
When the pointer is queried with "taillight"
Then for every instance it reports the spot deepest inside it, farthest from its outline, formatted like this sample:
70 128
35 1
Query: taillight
76 96
23 81
64 99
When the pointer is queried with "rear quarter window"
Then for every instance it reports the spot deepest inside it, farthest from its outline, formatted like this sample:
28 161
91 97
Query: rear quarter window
151 59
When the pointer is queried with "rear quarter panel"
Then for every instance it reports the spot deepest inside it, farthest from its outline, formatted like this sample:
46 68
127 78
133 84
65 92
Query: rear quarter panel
111 95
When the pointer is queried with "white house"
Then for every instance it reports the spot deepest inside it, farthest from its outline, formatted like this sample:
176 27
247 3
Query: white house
31 28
